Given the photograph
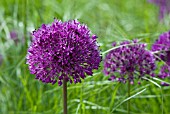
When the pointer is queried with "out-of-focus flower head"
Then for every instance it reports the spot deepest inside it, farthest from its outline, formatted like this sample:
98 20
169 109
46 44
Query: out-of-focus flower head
162 44
162 49
164 7
14 36
164 72
63 50
129 61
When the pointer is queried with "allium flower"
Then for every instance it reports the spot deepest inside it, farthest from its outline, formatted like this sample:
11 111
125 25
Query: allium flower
129 61
14 36
63 50
164 7
162 47
164 72
162 44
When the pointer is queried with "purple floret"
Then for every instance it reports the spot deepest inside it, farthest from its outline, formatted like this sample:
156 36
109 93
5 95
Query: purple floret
63 50
130 61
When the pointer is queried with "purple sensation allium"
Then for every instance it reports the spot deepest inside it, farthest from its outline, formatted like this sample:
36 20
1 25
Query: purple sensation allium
164 7
162 44
164 72
129 61
162 49
63 50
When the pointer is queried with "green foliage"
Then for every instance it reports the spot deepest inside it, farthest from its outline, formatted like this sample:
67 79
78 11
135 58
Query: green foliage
111 20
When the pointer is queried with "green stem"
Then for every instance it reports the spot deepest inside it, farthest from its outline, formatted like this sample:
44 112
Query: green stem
25 22
128 105
64 97
162 101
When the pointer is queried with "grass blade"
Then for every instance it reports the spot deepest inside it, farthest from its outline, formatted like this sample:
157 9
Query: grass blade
128 99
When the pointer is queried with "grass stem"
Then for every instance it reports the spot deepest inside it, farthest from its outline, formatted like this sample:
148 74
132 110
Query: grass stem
25 22
64 96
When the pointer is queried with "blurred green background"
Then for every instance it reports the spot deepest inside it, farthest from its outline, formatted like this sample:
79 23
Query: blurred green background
110 20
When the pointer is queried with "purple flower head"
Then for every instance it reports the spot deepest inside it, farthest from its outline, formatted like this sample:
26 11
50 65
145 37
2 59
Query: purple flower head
63 50
162 44
162 49
129 61
164 7
164 72
14 36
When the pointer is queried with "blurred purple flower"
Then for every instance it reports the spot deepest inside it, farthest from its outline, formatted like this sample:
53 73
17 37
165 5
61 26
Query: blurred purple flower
162 44
162 49
63 50
164 72
14 36
164 7
130 61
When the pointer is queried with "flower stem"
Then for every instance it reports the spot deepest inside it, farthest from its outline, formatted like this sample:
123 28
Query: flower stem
64 96
128 105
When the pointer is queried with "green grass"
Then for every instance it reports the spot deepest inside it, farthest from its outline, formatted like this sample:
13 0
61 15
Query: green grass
111 20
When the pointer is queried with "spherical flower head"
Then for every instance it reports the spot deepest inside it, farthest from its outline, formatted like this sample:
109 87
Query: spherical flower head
63 50
129 61
162 45
162 49
164 7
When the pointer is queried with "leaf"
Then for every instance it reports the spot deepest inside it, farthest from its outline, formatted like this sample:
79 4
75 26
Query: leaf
160 80
152 81
114 95
128 99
